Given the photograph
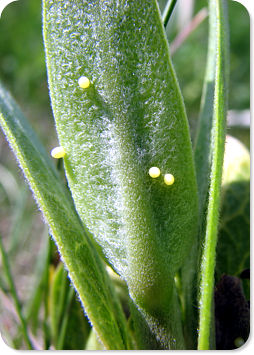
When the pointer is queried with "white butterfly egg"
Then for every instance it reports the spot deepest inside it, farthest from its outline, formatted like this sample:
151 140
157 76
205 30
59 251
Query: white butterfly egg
84 82
169 179
58 152
154 172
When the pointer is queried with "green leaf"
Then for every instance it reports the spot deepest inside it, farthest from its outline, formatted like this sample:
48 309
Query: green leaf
84 265
131 118
219 56
202 155
233 249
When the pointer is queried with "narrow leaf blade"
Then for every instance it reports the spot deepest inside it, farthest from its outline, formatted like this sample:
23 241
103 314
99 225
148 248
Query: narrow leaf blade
218 33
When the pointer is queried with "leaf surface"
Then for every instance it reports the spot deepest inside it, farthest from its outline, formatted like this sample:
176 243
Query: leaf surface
131 118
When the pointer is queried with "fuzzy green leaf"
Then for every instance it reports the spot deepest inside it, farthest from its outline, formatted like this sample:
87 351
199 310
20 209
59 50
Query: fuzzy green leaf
202 155
219 56
131 118
85 267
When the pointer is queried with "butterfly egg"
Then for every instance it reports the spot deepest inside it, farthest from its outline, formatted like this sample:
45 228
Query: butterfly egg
169 179
84 82
154 172
58 152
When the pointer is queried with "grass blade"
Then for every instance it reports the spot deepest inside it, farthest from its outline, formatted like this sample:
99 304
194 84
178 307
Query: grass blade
218 32
13 292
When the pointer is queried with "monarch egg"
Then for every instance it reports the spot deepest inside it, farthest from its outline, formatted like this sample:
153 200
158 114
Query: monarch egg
84 82
154 172
169 179
58 152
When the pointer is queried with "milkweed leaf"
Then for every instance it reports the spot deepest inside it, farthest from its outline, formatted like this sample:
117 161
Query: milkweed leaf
84 265
219 36
129 119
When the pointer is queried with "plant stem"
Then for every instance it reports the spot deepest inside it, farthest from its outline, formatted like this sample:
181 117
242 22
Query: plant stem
218 14
168 11
17 303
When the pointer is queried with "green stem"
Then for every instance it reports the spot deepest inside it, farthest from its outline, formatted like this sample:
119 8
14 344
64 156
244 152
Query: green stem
218 8
13 291
169 8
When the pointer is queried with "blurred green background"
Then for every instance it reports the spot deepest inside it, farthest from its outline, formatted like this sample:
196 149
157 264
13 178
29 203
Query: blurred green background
23 71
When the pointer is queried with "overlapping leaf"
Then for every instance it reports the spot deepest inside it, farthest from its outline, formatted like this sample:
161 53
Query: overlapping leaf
85 267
